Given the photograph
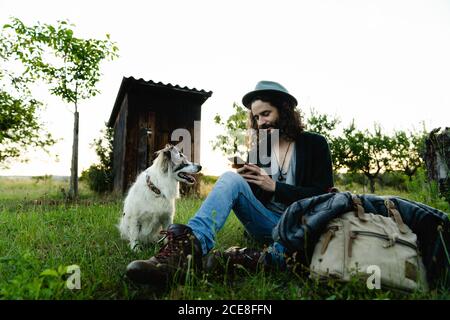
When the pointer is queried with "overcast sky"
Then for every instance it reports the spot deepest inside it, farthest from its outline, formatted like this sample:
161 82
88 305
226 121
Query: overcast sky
374 61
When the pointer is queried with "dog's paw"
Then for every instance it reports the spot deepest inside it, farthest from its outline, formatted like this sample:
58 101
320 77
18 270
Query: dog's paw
136 246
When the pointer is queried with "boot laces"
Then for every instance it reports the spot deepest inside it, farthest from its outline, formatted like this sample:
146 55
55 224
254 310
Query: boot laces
244 256
175 244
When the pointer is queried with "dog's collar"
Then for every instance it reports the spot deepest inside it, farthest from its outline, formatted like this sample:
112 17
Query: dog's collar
153 187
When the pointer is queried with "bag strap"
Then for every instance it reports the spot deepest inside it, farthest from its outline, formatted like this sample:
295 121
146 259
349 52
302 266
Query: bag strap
358 208
393 212
351 237
440 229
328 236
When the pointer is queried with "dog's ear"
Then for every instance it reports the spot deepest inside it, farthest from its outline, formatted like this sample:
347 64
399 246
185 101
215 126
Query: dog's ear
167 157
165 162
168 154
176 155
165 150
168 150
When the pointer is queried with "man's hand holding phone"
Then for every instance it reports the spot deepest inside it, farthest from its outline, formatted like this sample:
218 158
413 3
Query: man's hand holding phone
237 162
252 173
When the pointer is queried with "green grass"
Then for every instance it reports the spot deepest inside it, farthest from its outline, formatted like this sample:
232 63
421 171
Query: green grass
40 232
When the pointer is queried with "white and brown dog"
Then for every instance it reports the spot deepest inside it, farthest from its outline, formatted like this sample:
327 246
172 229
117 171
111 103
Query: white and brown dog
150 203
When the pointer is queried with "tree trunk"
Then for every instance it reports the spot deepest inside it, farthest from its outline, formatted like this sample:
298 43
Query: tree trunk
372 184
437 159
73 191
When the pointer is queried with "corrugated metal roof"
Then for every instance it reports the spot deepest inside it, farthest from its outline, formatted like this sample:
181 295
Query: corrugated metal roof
169 85
127 81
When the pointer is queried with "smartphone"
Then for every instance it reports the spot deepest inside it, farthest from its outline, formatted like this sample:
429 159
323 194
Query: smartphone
237 162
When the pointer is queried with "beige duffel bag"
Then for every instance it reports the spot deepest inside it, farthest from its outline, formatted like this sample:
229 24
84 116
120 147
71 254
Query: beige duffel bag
370 245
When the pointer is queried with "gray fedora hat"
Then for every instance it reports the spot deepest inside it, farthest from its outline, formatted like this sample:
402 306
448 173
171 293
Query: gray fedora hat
269 88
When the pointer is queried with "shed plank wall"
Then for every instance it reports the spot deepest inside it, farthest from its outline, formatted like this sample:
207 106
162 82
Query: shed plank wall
120 135
130 168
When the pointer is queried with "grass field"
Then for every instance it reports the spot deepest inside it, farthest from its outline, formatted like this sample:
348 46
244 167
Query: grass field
40 235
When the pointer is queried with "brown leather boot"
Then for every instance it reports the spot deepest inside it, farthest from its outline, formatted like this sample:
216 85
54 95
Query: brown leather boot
181 250
234 259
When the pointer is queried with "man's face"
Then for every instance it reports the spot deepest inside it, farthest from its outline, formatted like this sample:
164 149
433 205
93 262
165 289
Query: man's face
265 115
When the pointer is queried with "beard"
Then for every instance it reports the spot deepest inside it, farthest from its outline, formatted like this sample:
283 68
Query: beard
271 126
269 133
274 125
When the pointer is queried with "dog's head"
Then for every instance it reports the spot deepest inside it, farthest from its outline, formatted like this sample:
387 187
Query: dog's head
177 164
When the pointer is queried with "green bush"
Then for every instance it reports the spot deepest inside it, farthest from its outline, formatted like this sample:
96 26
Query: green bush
396 180
349 179
98 178
393 179
426 192
209 179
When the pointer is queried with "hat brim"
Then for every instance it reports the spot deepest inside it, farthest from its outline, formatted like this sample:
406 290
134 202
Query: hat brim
246 100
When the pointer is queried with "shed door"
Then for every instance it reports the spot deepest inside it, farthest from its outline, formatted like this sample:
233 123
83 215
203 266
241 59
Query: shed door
146 146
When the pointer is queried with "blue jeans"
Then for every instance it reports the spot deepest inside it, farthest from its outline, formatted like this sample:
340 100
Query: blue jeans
232 192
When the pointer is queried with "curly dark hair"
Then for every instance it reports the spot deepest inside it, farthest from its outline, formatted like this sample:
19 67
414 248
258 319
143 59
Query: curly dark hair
289 122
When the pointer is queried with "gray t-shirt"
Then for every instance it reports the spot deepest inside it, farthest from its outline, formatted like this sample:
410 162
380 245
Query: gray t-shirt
290 179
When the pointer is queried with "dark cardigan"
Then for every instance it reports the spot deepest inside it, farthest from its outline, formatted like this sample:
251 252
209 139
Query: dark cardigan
313 172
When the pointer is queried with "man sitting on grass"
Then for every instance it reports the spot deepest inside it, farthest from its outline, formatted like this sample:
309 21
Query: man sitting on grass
299 167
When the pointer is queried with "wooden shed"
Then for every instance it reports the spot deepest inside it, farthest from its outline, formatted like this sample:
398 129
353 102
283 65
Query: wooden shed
144 116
